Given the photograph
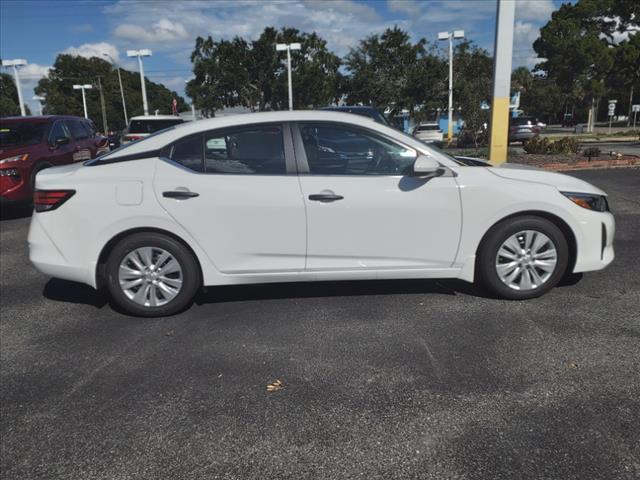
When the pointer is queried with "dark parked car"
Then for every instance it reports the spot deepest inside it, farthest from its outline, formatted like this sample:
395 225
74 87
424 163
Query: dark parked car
30 144
523 129
365 111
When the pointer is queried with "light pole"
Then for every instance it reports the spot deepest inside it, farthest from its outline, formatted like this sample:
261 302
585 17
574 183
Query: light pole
288 47
39 99
84 98
18 62
457 34
141 53
124 105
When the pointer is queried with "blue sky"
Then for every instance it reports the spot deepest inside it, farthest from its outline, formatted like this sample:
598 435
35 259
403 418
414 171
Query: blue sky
38 30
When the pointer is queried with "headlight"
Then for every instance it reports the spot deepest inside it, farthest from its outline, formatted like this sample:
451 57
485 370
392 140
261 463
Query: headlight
9 172
589 201
17 158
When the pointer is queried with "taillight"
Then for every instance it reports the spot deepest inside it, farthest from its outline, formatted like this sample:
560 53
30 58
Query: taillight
45 200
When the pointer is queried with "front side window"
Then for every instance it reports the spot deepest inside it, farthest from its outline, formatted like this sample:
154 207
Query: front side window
257 150
58 131
77 130
335 149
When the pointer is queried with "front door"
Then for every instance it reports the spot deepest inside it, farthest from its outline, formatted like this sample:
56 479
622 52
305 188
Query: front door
364 210
236 192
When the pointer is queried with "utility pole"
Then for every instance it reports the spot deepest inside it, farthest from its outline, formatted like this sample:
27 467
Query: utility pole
288 47
124 105
39 99
104 110
501 82
457 34
84 98
18 62
141 53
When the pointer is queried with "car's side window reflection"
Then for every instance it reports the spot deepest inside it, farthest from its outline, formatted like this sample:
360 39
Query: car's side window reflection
188 152
255 150
334 149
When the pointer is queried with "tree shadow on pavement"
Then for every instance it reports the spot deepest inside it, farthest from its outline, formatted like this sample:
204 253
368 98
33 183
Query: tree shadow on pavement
72 292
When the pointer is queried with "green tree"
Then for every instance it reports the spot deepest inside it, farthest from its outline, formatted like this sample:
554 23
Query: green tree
9 104
230 73
575 45
473 78
68 70
388 71
539 96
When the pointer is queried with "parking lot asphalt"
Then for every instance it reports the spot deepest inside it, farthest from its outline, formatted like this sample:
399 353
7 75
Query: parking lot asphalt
394 379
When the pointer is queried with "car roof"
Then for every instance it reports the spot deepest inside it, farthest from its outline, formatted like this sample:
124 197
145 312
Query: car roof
164 138
156 117
40 118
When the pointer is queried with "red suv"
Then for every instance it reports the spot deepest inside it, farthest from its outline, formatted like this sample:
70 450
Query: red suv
29 144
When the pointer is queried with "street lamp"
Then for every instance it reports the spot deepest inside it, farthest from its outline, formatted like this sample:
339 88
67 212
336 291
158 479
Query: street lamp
457 34
141 53
18 62
124 105
84 98
288 47
39 99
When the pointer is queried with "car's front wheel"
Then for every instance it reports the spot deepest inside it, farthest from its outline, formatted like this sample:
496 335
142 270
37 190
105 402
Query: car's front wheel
523 257
152 275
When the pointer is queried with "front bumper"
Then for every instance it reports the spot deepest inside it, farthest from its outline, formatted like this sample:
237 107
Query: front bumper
595 242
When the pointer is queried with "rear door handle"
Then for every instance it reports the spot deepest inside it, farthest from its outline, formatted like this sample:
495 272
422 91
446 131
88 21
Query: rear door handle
325 197
180 194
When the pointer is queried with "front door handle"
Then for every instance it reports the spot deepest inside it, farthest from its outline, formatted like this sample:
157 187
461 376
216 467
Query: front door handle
325 197
180 194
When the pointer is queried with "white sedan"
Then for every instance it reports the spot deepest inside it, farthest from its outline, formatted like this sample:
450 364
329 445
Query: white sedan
303 196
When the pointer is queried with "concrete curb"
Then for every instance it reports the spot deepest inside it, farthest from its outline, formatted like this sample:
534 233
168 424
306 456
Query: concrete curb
591 165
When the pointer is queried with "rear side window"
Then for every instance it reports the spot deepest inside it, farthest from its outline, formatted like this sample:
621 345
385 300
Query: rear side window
78 130
255 150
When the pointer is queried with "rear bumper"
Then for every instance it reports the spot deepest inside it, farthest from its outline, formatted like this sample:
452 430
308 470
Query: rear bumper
48 259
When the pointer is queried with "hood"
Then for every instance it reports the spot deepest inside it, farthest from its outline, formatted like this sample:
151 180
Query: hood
11 151
564 183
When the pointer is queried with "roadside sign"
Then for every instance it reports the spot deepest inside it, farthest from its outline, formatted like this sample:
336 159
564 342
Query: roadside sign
612 109
635 108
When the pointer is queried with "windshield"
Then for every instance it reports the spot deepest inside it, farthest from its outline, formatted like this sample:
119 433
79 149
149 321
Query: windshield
363 112
522 121
21 134
152 126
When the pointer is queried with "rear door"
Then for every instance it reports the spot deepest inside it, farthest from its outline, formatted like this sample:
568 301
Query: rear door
236 192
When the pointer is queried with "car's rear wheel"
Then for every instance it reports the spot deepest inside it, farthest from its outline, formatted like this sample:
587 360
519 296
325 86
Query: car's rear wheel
523 258
152 275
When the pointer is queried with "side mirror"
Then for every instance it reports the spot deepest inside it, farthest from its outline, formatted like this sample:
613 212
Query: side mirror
426 165
61 141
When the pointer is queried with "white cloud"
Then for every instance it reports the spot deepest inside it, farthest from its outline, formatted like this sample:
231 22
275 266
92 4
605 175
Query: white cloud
163 31
89 50
30 75
534 10
524 34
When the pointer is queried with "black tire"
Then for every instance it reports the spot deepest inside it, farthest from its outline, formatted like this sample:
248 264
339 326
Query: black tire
488 251
191 277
